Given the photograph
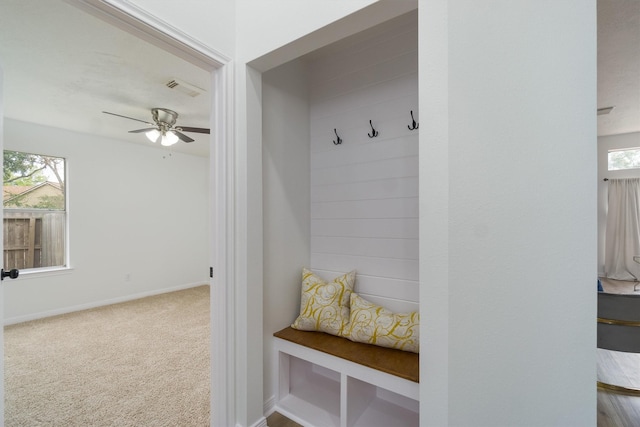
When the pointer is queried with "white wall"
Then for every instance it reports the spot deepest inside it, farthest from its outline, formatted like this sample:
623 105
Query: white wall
132 210
364 192
512 237
286 206
606 143
211 23
299 28
288 20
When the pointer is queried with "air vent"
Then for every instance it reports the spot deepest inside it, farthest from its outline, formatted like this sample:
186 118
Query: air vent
605 110
184 87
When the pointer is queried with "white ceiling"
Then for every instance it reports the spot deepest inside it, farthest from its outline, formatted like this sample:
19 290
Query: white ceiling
619 65
63 67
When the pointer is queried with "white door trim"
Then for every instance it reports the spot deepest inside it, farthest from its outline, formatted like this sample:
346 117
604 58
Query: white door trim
137 21
1 250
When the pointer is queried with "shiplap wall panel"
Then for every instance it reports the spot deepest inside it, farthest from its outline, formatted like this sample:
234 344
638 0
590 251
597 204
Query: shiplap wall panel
377 208
353 153
391 101
391 188
364 192
376 50
393 268
399 289
367 77
371 171
397 228
367 246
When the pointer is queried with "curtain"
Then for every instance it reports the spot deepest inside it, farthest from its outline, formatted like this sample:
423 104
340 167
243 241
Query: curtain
622 239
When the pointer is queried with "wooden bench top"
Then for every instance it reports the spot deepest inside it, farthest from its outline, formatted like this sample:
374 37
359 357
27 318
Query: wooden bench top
403 364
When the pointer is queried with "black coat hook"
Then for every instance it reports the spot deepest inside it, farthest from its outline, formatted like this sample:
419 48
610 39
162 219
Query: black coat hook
339 140
374 132
413 125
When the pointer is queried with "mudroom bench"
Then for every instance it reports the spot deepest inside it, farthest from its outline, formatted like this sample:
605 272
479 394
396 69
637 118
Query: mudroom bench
325 380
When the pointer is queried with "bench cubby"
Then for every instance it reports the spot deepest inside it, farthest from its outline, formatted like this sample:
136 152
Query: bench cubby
316 387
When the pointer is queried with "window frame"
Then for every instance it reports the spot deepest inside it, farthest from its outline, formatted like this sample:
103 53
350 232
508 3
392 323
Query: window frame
617 150
66 266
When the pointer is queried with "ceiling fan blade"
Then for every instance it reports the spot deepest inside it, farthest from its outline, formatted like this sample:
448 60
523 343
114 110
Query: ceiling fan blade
130 118
142 130
182 136
192 129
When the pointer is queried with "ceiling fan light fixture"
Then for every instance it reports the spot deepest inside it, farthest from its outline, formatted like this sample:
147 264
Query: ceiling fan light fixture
153 135
164 130
169 139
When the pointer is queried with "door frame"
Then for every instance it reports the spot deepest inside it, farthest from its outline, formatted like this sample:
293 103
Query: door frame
1 251
140 23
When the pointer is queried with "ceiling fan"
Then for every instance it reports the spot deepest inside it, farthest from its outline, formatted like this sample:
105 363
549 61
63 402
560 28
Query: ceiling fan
164 129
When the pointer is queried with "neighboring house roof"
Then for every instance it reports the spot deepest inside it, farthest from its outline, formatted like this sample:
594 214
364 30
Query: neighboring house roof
14 192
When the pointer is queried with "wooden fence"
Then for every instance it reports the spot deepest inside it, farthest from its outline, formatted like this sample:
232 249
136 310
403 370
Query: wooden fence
33 239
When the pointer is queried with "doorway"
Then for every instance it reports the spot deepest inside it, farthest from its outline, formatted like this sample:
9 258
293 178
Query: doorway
213 66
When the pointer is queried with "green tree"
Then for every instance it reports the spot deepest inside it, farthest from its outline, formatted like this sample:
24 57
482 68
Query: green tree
25 169
29 169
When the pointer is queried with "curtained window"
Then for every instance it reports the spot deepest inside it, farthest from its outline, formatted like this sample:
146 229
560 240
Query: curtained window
622 239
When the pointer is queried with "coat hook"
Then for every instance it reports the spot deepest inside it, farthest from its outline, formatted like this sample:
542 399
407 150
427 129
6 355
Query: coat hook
374 132
339 140
414 125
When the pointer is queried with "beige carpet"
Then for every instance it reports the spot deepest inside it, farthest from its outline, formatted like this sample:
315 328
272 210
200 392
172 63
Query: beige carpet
139 363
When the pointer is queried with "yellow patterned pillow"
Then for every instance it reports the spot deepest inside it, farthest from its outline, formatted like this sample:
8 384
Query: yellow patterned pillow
324 306
373 324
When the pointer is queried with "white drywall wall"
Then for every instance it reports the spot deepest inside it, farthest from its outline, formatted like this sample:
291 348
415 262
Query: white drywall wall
518 195
286 206
211 23
263 26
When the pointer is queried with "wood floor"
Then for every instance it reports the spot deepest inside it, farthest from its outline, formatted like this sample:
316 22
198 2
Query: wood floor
617 410
279 420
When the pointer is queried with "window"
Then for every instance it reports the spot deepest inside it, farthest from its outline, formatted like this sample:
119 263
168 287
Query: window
626 158
35 214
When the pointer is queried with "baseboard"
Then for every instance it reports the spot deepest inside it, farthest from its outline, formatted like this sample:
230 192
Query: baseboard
269 406
260 423
95 304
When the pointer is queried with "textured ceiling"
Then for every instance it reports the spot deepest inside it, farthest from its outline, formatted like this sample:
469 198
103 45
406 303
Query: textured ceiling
63 67
619 65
